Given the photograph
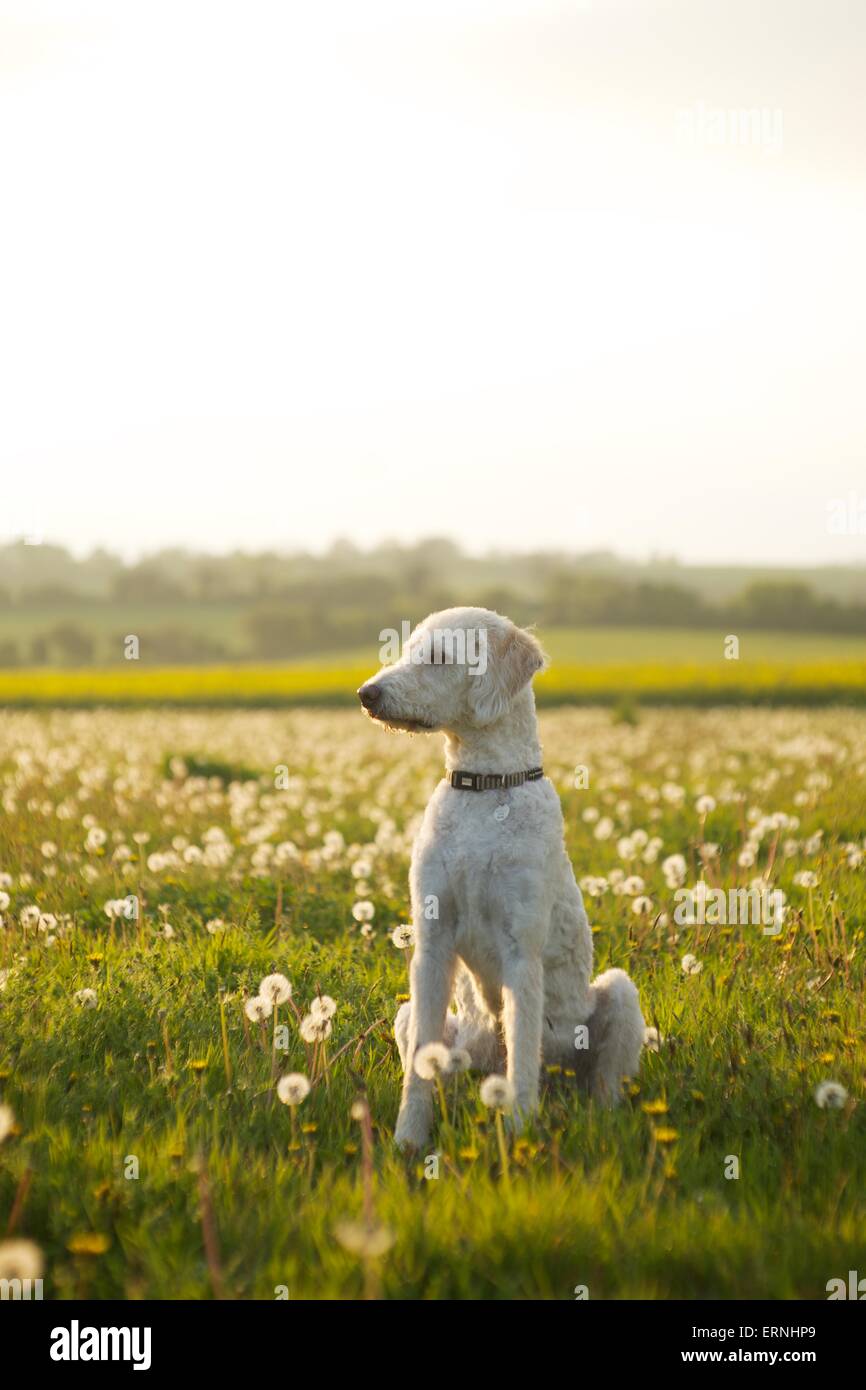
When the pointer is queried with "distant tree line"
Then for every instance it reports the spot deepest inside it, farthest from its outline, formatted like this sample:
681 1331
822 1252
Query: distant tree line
189 608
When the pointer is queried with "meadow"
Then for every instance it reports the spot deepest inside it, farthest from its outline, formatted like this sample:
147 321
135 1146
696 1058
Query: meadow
613 666
145 1147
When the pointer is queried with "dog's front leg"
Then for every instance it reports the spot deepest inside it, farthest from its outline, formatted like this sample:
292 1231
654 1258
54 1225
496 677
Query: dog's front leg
432 979
522 1017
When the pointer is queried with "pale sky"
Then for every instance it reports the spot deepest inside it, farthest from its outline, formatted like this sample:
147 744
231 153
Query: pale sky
272 273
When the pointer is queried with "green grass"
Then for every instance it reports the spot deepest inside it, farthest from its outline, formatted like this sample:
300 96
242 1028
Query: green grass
225 623
597 1198
605 646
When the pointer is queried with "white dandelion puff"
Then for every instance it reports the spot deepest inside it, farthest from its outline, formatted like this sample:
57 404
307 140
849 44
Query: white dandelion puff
258 1008
691 965
458 1060
277 988
20 1259
432 1060
497 1093
403 936
367 1242
323 1006
293 1088
315 1028
829 1095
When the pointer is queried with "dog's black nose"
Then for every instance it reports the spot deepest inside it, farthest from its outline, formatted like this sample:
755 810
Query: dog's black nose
370 695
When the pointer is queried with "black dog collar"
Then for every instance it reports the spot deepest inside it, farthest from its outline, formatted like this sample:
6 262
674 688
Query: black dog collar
488 781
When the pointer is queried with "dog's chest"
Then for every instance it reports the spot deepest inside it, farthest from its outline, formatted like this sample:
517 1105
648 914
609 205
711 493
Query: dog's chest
486 851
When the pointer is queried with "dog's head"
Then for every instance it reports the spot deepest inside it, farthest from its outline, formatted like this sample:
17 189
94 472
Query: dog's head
459 670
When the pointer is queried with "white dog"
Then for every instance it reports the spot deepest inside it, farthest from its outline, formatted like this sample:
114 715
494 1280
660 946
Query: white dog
499 920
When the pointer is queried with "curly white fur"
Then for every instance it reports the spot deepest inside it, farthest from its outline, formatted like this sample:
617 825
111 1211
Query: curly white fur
511 945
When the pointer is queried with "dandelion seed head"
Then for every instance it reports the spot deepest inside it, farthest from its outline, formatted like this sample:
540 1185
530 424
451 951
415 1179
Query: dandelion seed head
432 1060
20 1259
315 1028
258 1008
830 1095
293 1088
323 1006
497 1093
277 988
367 1242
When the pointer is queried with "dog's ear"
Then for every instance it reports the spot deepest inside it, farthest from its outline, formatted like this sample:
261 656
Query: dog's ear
513 658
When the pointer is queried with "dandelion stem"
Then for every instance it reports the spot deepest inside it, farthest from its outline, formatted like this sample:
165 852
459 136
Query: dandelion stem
225 1037
209 1233
274 1046
443 1103
19 1200
503 1150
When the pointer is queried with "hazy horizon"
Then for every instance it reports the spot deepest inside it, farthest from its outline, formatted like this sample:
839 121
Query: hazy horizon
513 273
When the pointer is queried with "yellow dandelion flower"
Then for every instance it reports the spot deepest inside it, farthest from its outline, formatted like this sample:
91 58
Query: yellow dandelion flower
666 1136
88 1243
